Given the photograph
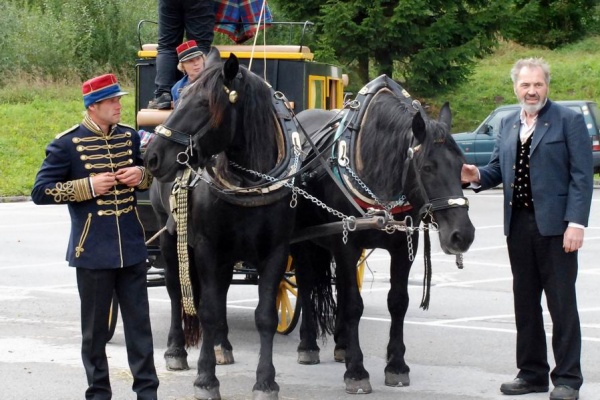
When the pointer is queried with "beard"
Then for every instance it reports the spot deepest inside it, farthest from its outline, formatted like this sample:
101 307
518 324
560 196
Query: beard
532 108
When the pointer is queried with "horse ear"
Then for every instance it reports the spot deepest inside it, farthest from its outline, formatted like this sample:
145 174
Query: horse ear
418 127
445 116
231 68
214 55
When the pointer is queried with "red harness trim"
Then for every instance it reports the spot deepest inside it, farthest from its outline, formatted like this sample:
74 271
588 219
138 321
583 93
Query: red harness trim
395 210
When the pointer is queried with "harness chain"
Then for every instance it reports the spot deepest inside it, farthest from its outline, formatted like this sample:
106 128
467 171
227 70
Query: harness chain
180 212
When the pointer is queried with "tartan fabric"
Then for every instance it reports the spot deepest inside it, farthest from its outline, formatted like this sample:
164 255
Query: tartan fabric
238 18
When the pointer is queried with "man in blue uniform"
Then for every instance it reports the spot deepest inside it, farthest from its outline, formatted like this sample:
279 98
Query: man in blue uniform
95 168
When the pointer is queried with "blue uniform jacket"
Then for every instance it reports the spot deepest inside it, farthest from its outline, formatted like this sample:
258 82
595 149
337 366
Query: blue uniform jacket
106 231
561 168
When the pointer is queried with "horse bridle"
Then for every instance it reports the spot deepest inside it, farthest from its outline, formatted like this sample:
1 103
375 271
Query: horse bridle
184 138
436 204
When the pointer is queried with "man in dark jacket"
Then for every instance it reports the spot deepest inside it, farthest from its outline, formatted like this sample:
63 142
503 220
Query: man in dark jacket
95 168
543 158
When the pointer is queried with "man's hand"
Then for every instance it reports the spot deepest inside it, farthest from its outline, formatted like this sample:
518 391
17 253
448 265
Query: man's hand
469 173
130 176
572 239
103 182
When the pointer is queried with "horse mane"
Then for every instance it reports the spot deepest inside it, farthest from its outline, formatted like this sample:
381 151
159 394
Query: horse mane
386 134
254 144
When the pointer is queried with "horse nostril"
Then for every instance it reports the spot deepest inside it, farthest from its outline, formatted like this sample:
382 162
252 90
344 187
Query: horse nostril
461 240
151 161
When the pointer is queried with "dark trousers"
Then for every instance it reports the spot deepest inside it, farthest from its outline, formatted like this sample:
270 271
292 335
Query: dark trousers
195 18
538 264
96 287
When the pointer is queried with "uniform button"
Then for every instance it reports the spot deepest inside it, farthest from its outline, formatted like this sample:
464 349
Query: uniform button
512 185
510 203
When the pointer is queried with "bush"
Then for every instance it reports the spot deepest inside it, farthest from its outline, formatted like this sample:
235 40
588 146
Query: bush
76 38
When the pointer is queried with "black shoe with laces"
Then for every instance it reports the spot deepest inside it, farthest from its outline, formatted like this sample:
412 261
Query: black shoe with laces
162 102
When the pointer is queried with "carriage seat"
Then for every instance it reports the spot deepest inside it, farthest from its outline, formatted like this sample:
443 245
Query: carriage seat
294 52
149 117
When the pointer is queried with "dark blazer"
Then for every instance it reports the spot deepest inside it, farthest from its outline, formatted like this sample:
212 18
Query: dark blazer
561 168
105 230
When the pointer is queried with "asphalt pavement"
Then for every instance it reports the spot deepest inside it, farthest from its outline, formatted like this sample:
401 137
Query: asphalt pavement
463 347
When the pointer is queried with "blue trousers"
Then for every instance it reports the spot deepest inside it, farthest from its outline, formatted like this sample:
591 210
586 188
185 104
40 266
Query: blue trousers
195 19
96 288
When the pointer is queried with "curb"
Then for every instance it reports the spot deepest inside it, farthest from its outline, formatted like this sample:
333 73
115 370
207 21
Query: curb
14 199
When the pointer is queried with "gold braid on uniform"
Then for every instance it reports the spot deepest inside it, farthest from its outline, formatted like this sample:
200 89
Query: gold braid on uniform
146 179
75 190
181 214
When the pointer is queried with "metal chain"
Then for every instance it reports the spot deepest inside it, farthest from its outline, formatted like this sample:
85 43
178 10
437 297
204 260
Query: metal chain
386 205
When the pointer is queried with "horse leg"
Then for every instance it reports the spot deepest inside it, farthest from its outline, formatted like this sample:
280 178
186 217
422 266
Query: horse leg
350 309
175 355
396 370
266 320
313 275
223 347
214 284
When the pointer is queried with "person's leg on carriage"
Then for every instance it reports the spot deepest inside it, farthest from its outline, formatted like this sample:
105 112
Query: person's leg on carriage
193 18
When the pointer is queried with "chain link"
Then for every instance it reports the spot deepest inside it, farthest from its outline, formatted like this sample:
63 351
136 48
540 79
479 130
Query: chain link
388 206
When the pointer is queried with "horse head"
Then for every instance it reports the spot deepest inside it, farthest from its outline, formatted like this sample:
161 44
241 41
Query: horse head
433 181
207 117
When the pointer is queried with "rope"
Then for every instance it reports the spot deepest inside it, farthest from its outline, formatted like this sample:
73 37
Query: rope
181 216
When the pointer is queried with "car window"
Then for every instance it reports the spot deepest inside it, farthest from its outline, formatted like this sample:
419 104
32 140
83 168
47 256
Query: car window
592 109
494 121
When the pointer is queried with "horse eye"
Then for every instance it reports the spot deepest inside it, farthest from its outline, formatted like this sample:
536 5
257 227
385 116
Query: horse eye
427 169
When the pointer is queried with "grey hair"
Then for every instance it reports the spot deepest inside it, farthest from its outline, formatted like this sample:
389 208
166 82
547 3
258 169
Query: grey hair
530 63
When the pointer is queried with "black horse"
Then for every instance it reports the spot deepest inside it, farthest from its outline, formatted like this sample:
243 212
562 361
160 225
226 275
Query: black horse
234 128
390 159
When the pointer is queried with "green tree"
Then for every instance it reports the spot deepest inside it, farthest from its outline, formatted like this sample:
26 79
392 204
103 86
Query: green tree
428 45
552 23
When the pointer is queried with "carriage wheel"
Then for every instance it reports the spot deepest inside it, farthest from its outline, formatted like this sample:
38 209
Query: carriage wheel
113 316
360 269
288 305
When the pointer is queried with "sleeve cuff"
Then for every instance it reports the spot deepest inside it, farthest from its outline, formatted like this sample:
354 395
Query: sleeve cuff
146 180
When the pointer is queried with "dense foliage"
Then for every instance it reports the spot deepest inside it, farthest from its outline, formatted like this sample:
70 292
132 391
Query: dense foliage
552 23
430 46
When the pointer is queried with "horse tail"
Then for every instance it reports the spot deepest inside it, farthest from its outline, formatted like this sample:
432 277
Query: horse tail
322 299
323 303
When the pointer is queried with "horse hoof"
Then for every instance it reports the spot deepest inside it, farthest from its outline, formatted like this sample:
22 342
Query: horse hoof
362 386
201 393
397 380
224 356
177 363
309 357
258 395
339 355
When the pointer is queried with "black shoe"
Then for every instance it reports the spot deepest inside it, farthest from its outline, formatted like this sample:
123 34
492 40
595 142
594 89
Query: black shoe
162 102
520 386
563 392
